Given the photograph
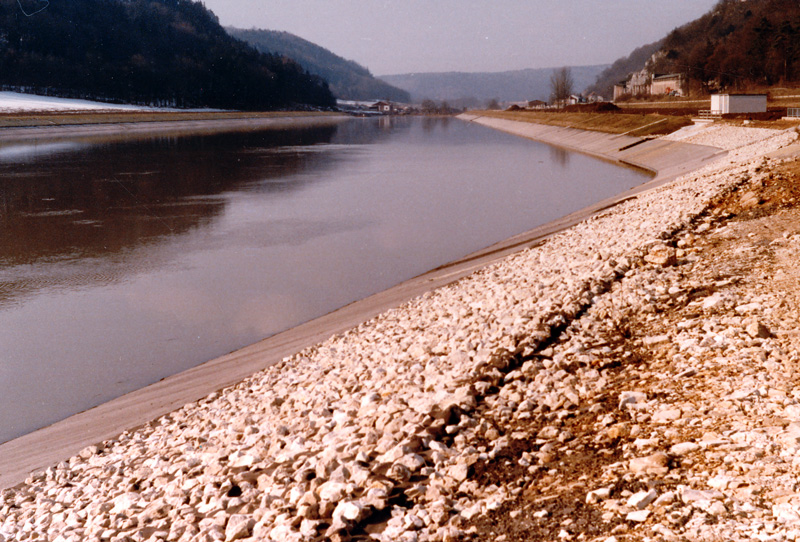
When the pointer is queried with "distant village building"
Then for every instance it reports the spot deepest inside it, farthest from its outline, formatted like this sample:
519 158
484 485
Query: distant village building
620 90
738 103
573 99
355 106
671 84
642 83
370 108
639 83
387 108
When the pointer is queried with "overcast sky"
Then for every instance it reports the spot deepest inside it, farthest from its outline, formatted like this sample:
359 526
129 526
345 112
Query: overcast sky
405 36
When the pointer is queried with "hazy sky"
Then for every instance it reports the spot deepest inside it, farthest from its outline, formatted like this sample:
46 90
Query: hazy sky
402 36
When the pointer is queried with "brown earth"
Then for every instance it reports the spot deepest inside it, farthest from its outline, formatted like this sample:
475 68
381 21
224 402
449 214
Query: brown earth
67 118
550 496
612 123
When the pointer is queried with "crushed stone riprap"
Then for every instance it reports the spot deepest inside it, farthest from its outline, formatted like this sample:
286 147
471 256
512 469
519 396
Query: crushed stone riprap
544 397
693 434
724 136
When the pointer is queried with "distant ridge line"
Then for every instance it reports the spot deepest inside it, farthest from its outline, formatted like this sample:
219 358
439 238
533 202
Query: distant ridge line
510 86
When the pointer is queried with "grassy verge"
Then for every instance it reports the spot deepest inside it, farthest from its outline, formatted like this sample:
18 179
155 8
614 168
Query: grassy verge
612 123
777 97
117 117
666 104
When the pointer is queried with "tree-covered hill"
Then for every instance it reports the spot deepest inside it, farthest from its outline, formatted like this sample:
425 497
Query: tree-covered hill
166 52
738 43
348 80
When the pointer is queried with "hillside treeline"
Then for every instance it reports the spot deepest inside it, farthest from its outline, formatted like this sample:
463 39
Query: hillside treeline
161 52
348 80
737 44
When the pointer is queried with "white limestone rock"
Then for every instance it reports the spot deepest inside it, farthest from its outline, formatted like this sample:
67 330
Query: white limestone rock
639 516
631 398
657 463
683 448
642 499
238 526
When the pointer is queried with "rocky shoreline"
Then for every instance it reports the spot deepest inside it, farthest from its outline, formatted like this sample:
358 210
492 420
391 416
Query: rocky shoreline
609 383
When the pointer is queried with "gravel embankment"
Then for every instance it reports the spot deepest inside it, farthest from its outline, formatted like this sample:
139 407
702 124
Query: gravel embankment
724 136
414 426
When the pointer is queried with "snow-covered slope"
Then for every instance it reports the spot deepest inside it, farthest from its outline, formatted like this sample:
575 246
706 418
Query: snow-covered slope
11 102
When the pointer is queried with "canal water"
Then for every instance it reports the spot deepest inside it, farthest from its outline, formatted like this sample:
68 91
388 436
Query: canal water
124 262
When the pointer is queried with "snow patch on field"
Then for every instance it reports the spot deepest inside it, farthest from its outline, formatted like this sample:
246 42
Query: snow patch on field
12 102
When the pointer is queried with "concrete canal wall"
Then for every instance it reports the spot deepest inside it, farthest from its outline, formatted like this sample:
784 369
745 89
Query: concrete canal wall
665 159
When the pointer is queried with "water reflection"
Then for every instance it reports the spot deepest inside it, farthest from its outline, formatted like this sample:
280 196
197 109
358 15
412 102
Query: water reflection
24 152
369 131
102 202
559 156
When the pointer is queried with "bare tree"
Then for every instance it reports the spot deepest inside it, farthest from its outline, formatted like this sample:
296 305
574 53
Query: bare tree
429 107
561 84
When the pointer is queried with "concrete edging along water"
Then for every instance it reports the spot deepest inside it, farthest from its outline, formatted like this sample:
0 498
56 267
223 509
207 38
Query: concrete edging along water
164 128
666 159
65 438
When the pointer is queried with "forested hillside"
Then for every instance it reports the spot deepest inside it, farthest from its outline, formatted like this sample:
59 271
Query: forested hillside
348 80
166 52
738 43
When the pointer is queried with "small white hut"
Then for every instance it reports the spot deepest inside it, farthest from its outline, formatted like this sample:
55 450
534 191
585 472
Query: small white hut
738 103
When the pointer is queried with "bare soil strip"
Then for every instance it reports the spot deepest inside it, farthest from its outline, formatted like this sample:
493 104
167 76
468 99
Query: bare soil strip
161 124
74 118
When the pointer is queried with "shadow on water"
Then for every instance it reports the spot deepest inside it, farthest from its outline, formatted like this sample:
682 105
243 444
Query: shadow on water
430 124
66 202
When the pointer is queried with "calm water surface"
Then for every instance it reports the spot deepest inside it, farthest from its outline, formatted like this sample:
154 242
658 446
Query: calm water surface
122 263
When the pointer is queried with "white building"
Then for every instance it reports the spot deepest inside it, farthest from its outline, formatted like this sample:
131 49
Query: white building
738 103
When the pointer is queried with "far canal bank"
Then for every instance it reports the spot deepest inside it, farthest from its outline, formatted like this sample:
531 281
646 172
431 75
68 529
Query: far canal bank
95 126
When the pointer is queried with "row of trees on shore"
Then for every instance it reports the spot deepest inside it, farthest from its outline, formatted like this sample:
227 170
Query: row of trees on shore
562 86
429 107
